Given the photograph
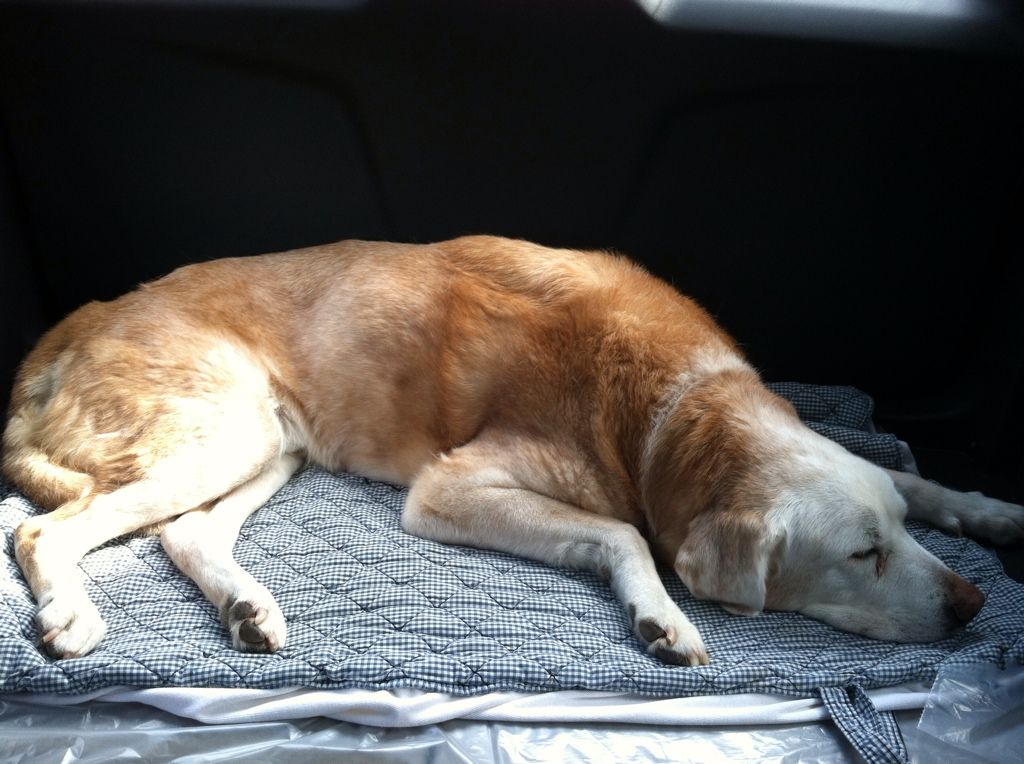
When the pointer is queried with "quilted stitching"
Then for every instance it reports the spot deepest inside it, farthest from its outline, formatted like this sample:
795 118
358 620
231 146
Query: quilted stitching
370 606
844 415
833 405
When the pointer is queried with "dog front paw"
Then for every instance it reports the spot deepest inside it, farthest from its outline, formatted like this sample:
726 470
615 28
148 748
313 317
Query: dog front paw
70 625
670 636
255 622
992 520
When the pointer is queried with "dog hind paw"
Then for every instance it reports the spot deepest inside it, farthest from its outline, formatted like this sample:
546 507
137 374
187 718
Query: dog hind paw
256 625
70 626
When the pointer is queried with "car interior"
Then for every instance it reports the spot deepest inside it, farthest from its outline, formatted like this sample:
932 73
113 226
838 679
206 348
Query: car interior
840 183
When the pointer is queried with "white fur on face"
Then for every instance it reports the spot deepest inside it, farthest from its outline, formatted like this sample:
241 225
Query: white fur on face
832 544
847 558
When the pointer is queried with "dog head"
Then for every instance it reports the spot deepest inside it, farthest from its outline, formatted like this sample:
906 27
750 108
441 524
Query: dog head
828 540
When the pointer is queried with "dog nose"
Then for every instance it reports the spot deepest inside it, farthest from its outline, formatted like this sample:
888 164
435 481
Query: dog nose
965 599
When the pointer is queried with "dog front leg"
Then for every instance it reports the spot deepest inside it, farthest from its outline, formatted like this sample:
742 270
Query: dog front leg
959 513
457 500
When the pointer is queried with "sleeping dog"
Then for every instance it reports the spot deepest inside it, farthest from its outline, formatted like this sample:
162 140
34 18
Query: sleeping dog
563 406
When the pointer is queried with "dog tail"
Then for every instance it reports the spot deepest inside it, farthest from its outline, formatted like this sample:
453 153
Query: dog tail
31 470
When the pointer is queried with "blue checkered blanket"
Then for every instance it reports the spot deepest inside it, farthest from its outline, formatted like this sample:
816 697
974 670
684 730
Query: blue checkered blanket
368 605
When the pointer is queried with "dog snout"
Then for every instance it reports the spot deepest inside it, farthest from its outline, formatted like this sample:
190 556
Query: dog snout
964 599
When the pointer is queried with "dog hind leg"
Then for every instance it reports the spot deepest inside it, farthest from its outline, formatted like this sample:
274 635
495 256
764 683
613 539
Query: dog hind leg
200 543
233 445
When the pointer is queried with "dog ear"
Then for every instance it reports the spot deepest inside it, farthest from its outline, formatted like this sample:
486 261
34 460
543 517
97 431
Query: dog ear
725 557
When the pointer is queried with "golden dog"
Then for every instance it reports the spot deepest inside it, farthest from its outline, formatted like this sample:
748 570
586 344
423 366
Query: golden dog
555 404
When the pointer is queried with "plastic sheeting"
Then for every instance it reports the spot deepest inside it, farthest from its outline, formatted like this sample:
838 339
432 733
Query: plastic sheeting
973 714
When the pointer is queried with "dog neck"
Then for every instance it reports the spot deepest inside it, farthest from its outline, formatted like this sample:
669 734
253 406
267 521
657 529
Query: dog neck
706 449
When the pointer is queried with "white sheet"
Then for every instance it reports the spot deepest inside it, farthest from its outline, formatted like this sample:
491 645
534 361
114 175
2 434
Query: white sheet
410 708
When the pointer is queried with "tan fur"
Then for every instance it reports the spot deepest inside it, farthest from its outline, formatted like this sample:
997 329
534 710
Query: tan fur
484 372
449 335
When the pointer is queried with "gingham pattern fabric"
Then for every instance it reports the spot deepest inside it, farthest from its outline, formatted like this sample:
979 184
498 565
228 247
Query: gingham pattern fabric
876 736
370 606
844 415
838 406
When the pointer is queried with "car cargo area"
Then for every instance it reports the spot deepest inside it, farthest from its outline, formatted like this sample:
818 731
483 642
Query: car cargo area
840 184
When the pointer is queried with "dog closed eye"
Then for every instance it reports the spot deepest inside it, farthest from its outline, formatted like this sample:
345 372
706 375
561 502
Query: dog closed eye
865 554
880 557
